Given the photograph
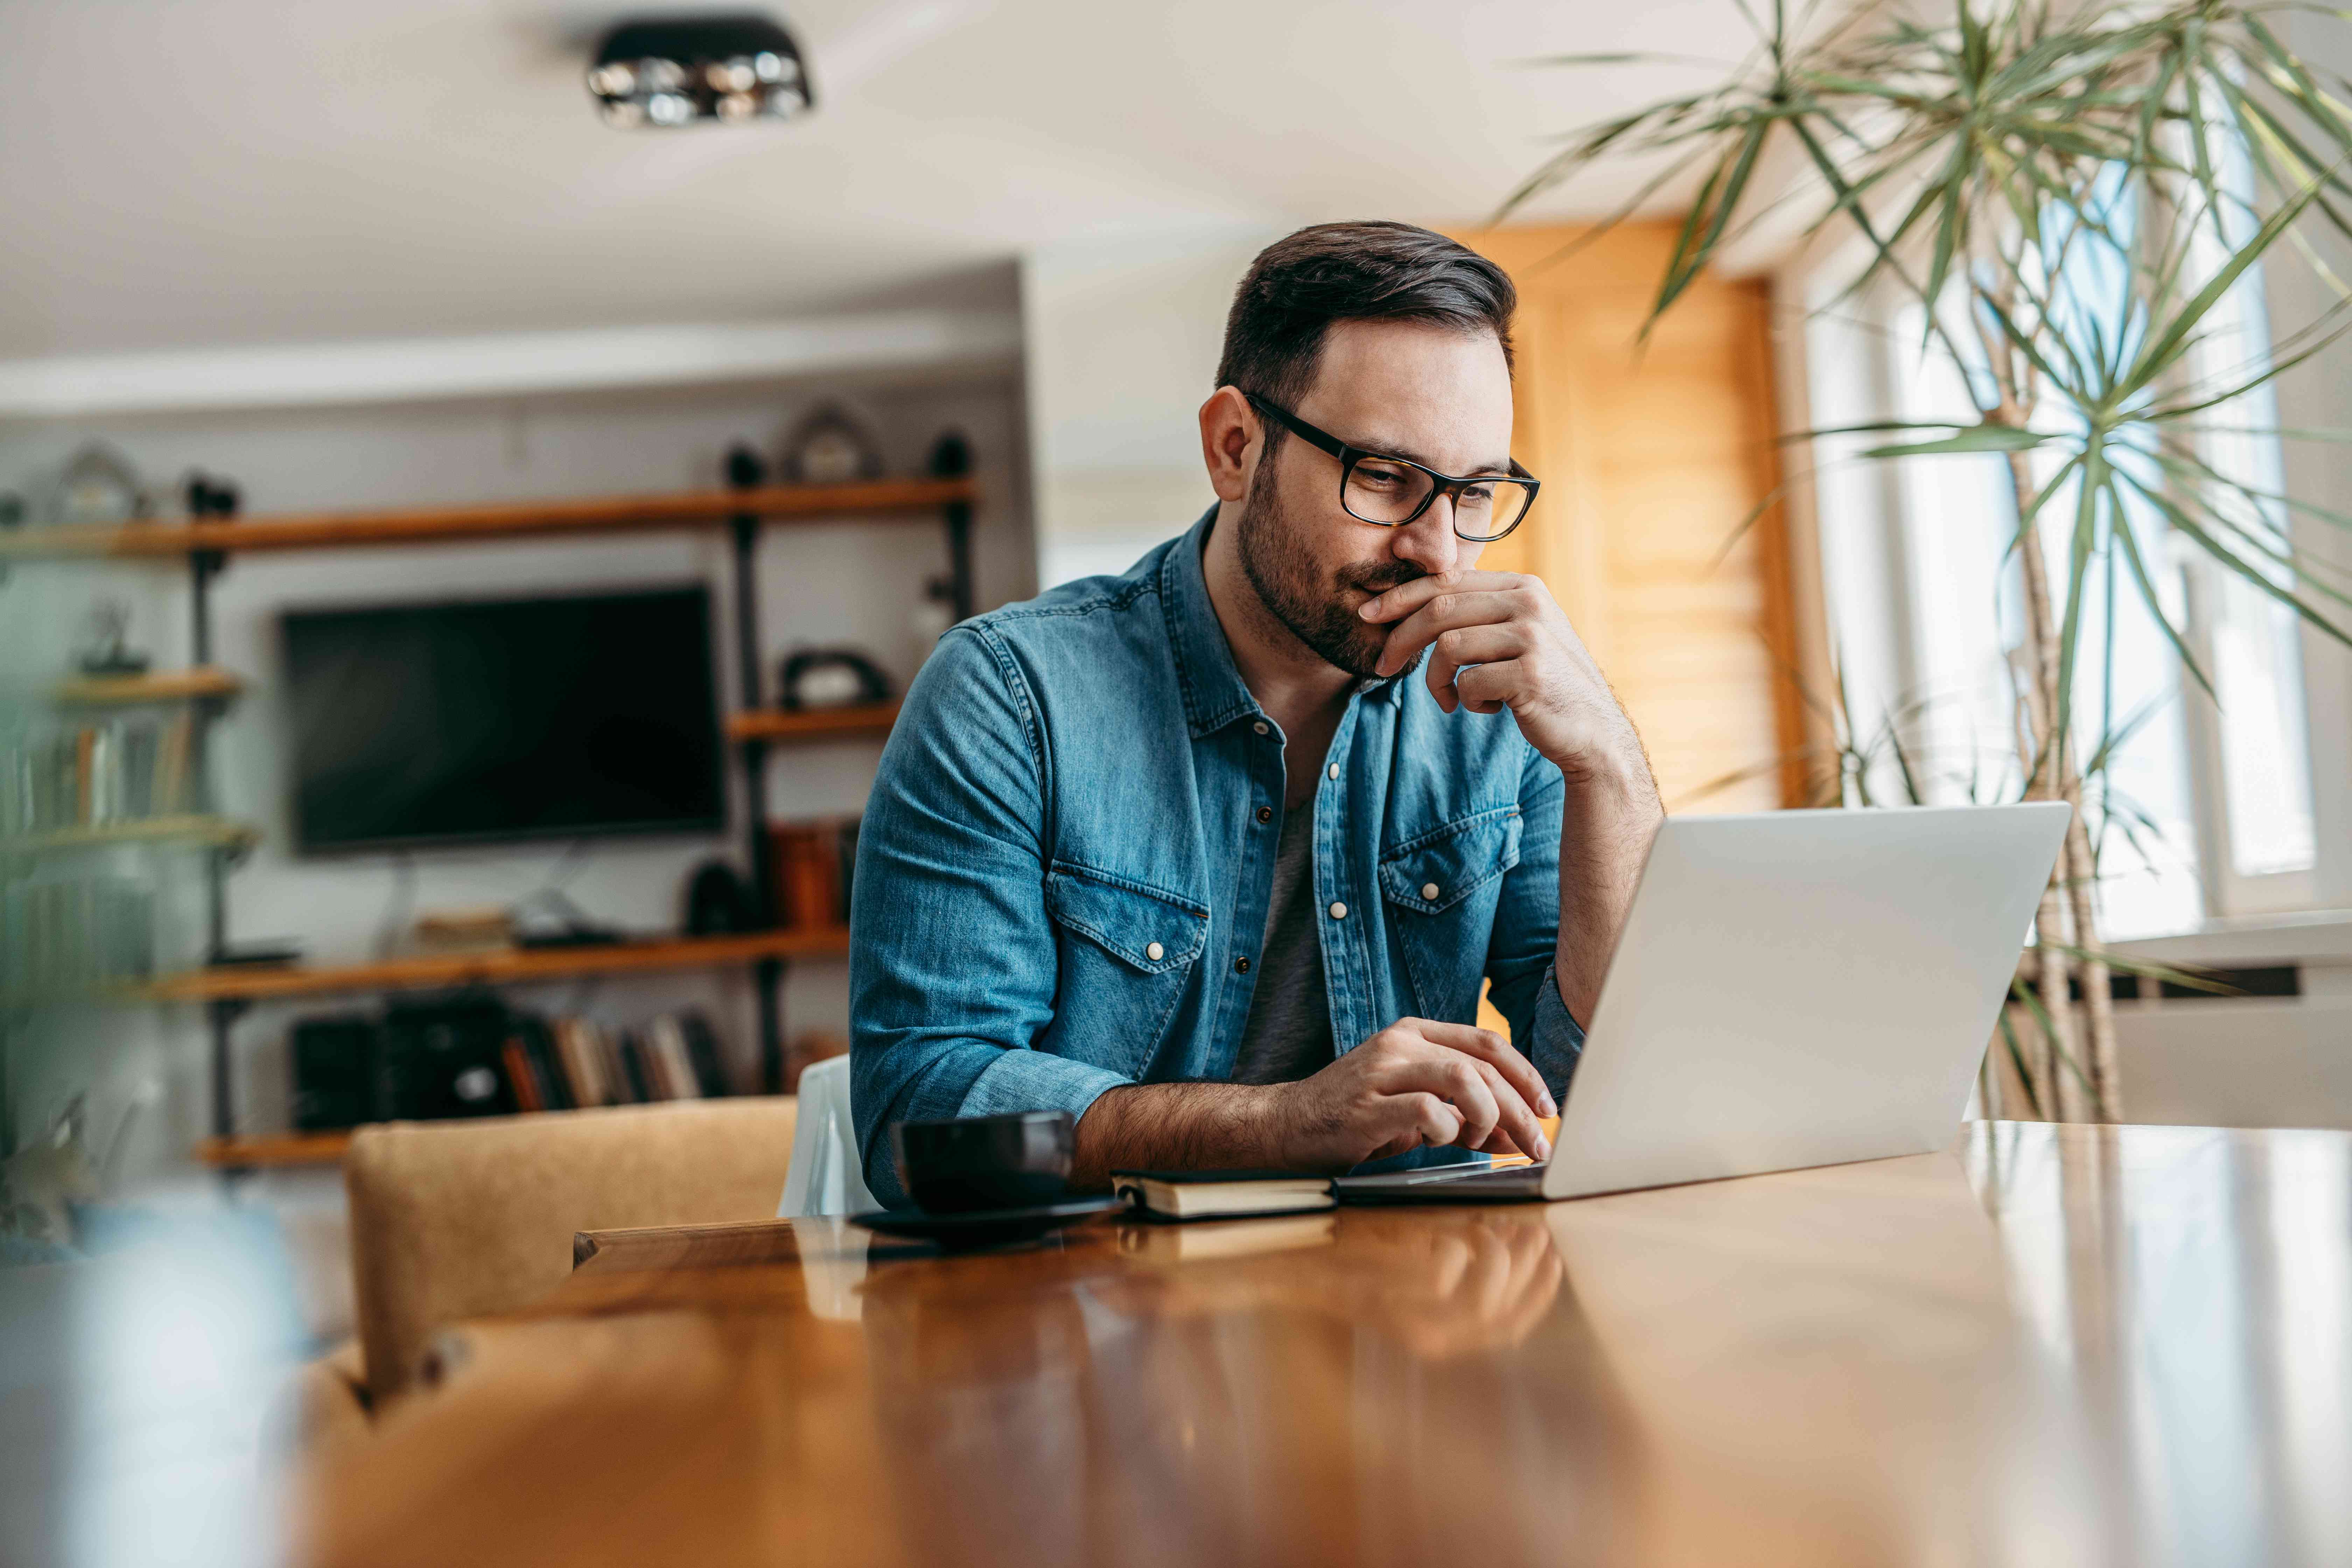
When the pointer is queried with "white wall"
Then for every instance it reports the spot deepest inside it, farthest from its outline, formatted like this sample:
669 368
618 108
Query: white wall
2318 395
856 581
1123 338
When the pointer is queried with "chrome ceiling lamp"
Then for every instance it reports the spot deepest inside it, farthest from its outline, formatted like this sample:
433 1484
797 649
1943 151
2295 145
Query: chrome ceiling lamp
669 72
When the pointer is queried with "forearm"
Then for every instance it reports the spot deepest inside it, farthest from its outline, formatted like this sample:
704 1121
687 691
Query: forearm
1177 1127
1607 822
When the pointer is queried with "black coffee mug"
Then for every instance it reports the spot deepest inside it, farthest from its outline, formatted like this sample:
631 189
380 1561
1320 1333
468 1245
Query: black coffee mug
1015 1160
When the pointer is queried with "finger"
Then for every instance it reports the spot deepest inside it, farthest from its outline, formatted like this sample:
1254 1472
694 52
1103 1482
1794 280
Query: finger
1514 1119
1443 614
1473 1096
1394 604
1492 1048
1489 688
1436 1122
1468 645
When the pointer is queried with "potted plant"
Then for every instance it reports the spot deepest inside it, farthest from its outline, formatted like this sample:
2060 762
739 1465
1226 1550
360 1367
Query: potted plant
1990 158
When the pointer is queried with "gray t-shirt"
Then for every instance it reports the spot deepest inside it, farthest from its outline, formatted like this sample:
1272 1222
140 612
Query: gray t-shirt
1289 1033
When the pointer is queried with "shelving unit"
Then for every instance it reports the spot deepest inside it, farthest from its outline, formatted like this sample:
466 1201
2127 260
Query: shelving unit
197 831
449 525
501 967
498 967
785 724
269 1149
208 547
161 686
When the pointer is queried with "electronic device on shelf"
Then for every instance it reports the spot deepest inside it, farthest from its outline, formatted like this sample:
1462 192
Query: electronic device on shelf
481 720
818 677
718 900
257 955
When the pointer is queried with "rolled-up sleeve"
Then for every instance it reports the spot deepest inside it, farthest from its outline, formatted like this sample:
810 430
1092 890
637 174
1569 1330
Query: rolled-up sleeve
1526 941
952 970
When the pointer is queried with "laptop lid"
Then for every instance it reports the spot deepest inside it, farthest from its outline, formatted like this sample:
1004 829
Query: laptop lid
1802 988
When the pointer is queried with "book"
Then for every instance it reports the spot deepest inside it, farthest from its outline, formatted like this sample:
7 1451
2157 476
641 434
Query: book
634 1073
1205 1194
582 1058
172 757
666 1049
521 1087
702 1049
538 1050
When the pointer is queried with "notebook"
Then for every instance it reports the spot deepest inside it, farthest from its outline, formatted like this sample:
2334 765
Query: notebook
1204 1195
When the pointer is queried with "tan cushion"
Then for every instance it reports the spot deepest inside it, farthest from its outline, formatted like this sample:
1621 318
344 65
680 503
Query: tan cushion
454 1220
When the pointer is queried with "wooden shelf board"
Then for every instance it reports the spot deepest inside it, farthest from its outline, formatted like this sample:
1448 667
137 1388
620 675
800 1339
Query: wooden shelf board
500 967
159 685
273 1149
328 531
812 723
215 831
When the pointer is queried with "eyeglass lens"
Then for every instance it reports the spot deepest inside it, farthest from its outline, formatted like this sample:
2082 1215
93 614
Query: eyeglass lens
1388 493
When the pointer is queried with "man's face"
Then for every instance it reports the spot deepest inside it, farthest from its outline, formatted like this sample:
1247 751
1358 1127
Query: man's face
1438 396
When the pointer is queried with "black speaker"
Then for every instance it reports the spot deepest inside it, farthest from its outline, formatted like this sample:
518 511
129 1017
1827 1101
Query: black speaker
440 1056
334 1071
719 901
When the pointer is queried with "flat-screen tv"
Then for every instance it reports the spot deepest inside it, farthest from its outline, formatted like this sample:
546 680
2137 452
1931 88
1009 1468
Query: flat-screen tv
480 720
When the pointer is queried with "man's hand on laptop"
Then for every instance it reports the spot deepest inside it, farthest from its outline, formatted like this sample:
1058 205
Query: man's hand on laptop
1417 1083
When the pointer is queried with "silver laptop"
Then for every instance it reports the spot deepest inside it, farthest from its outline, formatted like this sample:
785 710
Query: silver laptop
1795 988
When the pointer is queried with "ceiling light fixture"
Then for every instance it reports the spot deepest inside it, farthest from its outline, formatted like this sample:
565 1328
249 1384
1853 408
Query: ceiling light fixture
667 71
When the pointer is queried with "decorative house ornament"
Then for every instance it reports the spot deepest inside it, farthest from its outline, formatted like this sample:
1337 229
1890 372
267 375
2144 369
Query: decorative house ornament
97 486
663 72
830 447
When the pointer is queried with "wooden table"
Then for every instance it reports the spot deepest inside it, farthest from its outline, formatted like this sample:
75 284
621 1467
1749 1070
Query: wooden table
2069 1346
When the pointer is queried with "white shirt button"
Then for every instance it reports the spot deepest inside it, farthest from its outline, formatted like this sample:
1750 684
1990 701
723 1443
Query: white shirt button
1259 726
1155 952
1332 771
1429 890
1338 911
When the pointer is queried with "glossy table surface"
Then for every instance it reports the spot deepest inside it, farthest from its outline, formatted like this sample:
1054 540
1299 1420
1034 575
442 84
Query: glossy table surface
2073 1345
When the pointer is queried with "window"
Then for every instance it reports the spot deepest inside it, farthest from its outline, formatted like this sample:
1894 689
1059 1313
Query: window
2202 809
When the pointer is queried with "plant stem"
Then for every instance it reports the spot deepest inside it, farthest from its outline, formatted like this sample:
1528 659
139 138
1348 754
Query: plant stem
2051 775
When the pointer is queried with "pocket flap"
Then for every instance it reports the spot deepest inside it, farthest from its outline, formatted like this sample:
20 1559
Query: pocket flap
1126 919
1442 866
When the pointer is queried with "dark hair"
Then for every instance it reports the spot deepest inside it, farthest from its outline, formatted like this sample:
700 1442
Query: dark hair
1332 272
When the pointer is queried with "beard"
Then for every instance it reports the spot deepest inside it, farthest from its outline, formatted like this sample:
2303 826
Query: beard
1310 603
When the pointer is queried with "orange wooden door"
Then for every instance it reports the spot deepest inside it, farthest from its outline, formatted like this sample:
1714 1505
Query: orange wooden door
1651 455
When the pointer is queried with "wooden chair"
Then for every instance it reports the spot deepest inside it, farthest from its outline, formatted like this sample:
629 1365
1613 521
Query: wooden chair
454 1219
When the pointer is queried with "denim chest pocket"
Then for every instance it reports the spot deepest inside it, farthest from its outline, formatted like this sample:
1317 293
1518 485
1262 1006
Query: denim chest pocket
1126 952
1442 889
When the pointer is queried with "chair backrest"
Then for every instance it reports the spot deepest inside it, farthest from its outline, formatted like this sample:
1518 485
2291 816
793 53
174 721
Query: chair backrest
827 1177
454 1219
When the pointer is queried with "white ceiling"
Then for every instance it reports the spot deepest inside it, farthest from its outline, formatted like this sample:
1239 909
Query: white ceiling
182 173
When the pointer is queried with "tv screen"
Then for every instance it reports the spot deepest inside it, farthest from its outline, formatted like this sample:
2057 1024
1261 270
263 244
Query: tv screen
480 720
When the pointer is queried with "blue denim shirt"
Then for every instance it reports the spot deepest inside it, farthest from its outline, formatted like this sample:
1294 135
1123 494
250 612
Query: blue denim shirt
1062 863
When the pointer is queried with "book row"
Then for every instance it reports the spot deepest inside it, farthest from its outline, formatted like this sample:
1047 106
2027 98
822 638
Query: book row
69 934
475 1055
99 774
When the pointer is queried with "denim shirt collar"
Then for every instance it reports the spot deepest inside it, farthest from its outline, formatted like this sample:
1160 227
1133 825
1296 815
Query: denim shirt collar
1214 692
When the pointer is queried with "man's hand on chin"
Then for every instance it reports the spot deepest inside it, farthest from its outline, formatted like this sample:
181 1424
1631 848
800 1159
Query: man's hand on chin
1498 640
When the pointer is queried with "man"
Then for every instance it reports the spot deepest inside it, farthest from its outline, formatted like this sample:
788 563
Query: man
1195 853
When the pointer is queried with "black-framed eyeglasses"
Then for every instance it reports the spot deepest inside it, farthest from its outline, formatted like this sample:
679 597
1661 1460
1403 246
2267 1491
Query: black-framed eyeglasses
1389 491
